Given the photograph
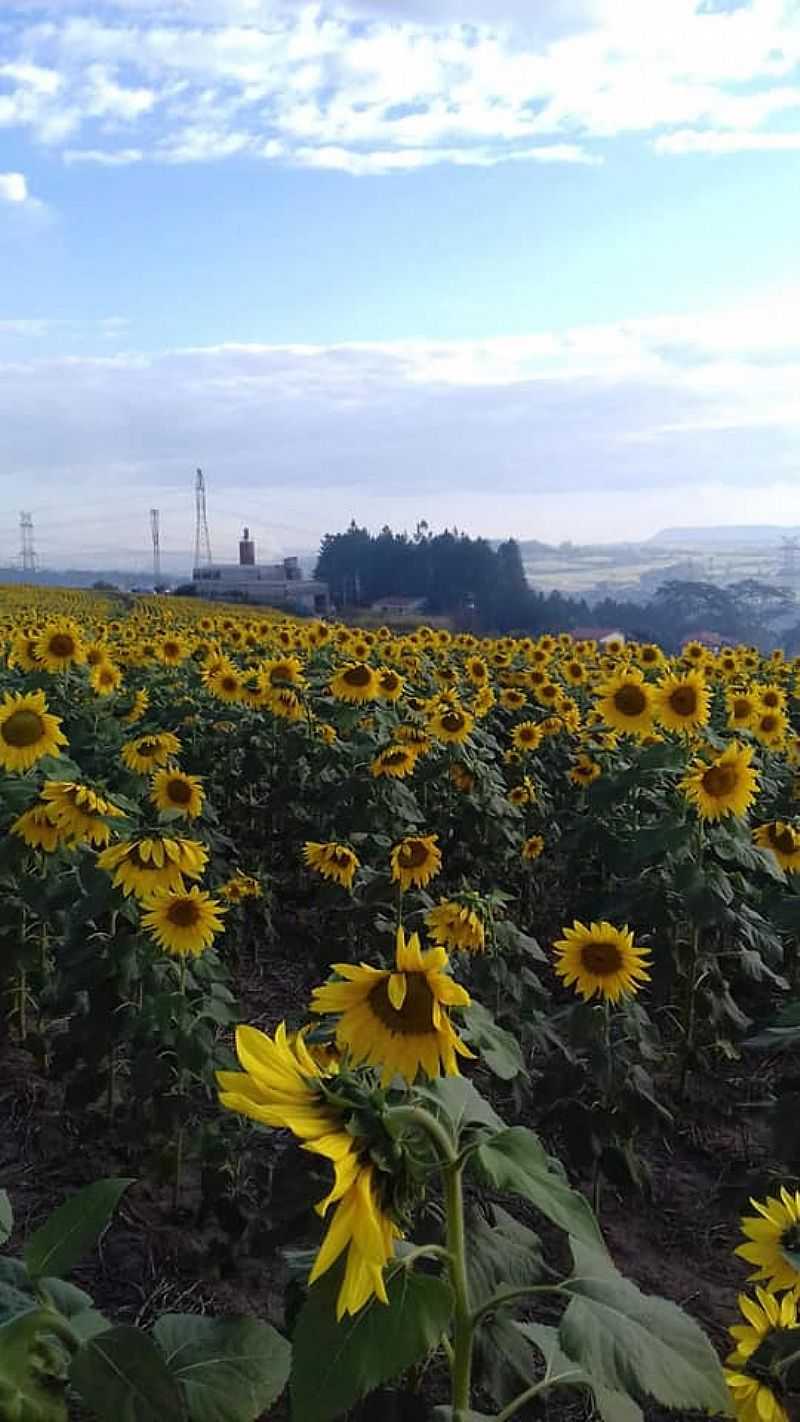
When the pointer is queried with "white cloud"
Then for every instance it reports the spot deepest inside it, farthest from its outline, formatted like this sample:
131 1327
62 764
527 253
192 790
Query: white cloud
14 187
367 88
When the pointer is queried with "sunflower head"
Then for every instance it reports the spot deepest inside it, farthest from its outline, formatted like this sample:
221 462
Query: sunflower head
415 861
727 786
395 762
532 847
183 921
762 1372
356 682
457 923
174 791
333 861
601 959
773 1240
27 730
627 702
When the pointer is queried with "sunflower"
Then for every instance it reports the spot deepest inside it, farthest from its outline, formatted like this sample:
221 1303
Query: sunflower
390 684
415 861
650 656
741 706
59 646
477 671
37 829
694 652
355 682
726 787
532 847
333 861
452 725
770 727
484 701
23 652
281 1085
146 753
512 699
682 702
105 678
183 921
281 671
138 708
240 886
773 1241
398 1021
771 697
784 842
171 651
285 703
79 813
462 778
522 794
148 865
584 771
753 1369
574 672
96 653
601 959
176 791
526 736
627 702
224 682
27 730
456 925
395 762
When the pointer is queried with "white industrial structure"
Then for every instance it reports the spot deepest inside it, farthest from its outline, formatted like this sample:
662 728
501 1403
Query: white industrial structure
276 584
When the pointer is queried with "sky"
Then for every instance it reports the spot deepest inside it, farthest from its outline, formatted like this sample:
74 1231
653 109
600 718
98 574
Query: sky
523 267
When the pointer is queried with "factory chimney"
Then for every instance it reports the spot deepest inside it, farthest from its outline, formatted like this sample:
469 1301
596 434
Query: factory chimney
247 550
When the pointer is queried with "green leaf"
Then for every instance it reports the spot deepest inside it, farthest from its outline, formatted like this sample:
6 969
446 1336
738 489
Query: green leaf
65 1297
506 1255
516 1160
6 1216
88 1323
612 1406
231 1369
497 1048
334 1364
121 1374
32 1370
456 1098
72 1228
636 1343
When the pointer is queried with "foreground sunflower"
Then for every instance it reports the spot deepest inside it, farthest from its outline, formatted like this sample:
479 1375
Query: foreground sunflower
415 861
784 842
682 702
773 1240
333 861
626 702
176 791
147 753
282 1085
27 730
59 646
183 921
397 1021
726 787
456 925
79 813
601 959
356 682
753 1372
148 865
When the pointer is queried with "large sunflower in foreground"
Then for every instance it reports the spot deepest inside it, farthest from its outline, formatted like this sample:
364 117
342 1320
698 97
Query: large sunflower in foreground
176 791
149 865
79 813
773 1240
415 861
282 1085
147 753
753 1371
398 1021
784 842
333 861
183 921
682 702
356 682
727 786
601 959
626 702
27 730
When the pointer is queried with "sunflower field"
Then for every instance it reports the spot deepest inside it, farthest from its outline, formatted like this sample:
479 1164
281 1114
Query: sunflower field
400 1021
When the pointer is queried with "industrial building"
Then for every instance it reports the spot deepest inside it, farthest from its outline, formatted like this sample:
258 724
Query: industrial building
276 584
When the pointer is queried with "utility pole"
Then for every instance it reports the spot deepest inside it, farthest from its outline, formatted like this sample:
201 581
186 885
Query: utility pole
202 542
154 530
27 552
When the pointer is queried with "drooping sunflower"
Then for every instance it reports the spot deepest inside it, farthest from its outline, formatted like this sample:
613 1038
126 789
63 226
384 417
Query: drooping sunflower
726 787
59 646
355 682
281 1085
333 861
175 790
37 829
285 703
451 725
682 702
396 762
397 1021
456 925
532 847
626 702
105 678
755 1383
145 866
415 861
27 730
784 842
773 1241
79 813
390 684
183 921
601 959
141 702
147 753
526 736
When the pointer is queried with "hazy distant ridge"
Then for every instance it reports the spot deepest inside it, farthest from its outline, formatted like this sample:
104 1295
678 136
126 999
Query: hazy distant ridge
726 534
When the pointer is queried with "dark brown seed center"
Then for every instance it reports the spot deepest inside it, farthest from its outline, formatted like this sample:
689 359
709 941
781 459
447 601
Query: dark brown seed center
630 700
720 780
23 728
415 1017
602 959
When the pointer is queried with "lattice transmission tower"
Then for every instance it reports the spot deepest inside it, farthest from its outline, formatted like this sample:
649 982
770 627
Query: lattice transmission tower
202 542
156 536
27 553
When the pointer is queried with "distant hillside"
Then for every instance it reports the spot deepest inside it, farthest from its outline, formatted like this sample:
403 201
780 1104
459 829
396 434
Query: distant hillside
725 535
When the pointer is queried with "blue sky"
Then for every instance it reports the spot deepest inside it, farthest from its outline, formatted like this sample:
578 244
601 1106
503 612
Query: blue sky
527 266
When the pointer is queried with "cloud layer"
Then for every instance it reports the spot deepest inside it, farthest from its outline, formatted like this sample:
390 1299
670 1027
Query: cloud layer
339 85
